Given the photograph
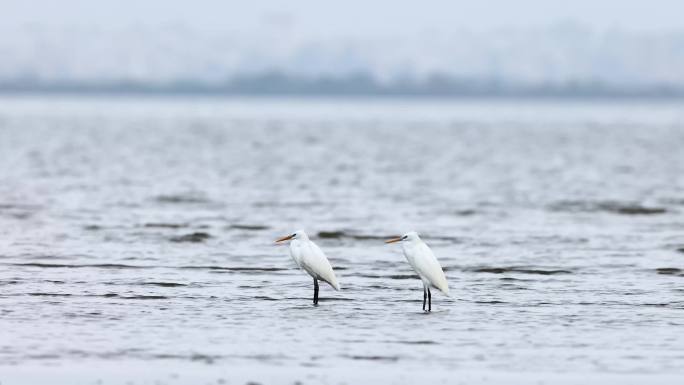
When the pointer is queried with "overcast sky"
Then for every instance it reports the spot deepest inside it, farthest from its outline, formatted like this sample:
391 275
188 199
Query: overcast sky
355 18
623 42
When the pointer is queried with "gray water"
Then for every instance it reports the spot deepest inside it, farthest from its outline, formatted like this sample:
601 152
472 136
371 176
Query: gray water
136 241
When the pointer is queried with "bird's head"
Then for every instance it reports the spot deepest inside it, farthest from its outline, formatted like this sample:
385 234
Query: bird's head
299 234
408 237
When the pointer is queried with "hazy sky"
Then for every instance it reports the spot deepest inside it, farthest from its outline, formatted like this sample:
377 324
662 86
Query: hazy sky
526 41
349 17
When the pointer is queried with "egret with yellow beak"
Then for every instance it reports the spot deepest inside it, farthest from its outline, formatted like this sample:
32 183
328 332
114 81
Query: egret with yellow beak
423 262
309 257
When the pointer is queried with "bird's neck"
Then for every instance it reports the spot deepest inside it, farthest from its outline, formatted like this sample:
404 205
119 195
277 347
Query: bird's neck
410 245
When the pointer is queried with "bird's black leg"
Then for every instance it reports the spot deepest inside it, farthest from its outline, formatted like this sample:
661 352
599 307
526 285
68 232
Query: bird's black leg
424 297
429 300
315 291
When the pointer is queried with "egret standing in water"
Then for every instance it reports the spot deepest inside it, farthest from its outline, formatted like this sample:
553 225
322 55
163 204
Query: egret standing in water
423 262
311 258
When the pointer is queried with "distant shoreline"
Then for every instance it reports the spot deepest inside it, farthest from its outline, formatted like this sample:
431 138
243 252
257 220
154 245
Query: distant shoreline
104 92
351 86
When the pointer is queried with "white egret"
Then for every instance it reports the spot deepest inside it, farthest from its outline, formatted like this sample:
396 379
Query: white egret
423 262
311 259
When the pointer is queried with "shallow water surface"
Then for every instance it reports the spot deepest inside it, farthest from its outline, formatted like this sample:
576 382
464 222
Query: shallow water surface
136 241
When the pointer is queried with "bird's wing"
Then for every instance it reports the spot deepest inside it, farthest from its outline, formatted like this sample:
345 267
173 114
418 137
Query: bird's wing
427 265
317 265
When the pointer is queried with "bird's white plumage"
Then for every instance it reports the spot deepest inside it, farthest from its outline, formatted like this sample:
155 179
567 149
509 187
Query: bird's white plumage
423 261
311 259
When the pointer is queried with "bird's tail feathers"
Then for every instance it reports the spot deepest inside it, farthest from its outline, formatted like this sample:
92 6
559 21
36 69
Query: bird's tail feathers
332 281
444 288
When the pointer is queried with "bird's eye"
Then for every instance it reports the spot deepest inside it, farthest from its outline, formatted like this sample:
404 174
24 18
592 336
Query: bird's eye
404 238
294 235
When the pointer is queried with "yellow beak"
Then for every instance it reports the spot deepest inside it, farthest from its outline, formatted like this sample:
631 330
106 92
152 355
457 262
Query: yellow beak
285 238
393 240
